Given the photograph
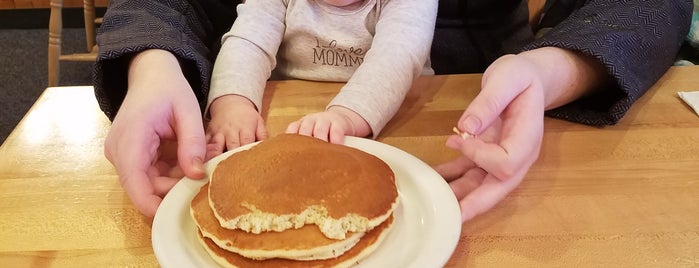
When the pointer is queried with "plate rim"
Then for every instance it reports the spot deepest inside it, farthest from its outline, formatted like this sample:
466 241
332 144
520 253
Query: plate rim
438 192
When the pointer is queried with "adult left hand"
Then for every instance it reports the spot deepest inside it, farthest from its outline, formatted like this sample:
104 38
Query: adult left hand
505 121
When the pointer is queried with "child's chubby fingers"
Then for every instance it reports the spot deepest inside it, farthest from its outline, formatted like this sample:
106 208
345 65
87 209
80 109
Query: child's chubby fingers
247 136
307 126
321 129
232 140
261 131
293 127
337 134
214 145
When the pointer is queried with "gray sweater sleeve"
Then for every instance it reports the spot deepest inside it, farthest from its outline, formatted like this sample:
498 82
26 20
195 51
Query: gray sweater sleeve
249 50
398 53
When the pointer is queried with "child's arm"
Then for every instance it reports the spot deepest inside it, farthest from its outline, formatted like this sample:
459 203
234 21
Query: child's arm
397 56
240 72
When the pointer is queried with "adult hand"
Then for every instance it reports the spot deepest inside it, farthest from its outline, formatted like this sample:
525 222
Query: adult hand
331 125
515 91
159 113
234 122
506 121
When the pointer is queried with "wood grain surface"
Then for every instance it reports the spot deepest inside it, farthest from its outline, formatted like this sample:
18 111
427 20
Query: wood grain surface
620 196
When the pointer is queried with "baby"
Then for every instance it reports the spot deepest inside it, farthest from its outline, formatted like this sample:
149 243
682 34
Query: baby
378 47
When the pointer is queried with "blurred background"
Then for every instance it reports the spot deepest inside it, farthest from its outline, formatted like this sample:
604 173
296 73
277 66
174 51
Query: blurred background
23 57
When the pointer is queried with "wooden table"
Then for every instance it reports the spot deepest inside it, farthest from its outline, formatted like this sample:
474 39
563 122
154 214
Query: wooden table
620 196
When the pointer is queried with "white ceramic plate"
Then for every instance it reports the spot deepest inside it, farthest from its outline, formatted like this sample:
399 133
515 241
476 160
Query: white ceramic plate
427 219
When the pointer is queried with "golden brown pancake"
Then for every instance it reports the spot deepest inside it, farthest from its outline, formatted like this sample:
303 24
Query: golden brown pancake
291 180
368 244
305 243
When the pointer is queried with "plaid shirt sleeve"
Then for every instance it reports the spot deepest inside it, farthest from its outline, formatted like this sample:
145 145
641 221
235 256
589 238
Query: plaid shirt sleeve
191 30
636 41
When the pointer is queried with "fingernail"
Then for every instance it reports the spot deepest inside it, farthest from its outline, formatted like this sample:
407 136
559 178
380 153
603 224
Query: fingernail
471 124
198 164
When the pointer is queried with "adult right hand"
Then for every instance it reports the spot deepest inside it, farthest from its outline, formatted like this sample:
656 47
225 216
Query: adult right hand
159 113
506 121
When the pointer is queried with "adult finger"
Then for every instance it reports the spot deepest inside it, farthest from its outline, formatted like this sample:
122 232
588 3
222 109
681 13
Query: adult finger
454 169
142 194
167 168
135 180
455 142
523 127
471 180
489 156
495 95
518 148
163 184
132 156
487 195
191 149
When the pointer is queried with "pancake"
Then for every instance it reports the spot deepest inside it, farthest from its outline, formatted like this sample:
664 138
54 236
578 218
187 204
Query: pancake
292 180
305 243
367 245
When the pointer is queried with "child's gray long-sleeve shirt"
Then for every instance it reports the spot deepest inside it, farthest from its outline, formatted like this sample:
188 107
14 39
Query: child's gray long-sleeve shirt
378 49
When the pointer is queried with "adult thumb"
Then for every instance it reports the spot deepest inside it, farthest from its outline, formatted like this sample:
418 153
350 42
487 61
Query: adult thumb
191 148
495 96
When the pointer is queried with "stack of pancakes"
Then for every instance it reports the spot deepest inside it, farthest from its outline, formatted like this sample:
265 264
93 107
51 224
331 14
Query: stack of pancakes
295 201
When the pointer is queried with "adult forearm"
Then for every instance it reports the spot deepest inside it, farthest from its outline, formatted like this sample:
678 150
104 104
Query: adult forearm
566 75
635 47
149 66
192 32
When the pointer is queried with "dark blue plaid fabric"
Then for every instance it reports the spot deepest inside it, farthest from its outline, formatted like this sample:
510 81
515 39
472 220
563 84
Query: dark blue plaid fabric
637 41
190 29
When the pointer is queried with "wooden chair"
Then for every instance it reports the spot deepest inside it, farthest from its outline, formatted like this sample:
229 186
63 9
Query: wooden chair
535 11
55 55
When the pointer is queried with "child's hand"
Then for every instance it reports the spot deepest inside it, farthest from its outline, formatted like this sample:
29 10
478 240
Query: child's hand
331 125
234 122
